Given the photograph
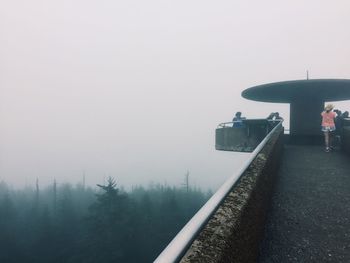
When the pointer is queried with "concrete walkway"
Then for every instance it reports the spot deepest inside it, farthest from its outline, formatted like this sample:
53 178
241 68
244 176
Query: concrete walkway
309 219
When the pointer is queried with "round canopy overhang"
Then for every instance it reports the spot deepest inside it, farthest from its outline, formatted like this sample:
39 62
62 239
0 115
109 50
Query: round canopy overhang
306 98
291 91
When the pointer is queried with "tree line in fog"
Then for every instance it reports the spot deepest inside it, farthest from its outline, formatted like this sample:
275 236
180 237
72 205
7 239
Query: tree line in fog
65 223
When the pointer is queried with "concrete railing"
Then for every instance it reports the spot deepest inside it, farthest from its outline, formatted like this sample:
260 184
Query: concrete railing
234 229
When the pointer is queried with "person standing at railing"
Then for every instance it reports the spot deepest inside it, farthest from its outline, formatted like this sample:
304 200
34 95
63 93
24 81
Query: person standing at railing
328 125
274 116
237 121
338 121
278 117
271 116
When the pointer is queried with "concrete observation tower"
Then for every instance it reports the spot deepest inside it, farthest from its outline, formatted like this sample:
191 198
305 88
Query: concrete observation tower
306 98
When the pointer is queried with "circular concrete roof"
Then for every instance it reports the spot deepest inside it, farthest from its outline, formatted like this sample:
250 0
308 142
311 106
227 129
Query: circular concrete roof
289 91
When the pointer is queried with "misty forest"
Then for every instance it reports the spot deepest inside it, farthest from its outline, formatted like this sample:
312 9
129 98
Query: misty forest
65 223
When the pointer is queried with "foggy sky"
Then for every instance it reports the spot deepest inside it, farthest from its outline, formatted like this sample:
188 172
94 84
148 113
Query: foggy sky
134 89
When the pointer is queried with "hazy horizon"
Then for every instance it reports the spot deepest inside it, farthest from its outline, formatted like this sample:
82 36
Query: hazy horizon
135 90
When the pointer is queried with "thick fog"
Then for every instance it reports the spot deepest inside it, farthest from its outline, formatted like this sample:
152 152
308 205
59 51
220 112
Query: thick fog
135 89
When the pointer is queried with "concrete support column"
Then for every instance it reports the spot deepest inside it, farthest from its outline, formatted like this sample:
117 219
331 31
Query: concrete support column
305 117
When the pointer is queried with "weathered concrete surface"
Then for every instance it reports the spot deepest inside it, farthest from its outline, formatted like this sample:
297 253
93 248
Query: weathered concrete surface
234 139
309 219
234 231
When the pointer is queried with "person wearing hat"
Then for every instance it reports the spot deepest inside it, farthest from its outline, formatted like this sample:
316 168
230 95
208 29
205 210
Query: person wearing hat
328 125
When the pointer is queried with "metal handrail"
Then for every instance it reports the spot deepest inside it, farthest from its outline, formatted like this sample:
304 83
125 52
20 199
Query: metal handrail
230 124
177 247
224 124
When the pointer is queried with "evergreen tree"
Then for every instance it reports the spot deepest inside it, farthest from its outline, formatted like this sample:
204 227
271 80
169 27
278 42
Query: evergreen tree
109 225
77 224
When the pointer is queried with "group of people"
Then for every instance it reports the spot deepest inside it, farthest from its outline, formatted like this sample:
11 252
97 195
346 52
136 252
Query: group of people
237 120
274 116
332 122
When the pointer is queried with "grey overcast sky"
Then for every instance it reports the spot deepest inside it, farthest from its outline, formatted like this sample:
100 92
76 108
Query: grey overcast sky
134 89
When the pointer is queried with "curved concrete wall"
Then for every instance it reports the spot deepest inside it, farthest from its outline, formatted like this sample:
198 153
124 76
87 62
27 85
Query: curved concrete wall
233 233
242 139
233 139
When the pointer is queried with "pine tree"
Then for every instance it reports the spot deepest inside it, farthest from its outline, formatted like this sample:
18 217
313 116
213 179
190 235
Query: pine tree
109 225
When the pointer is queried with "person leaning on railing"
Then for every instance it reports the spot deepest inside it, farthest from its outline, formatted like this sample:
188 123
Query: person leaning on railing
237 121
274 116
278 117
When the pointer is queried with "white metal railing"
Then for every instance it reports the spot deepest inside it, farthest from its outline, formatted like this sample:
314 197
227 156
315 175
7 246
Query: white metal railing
227 124
177 247
231 123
